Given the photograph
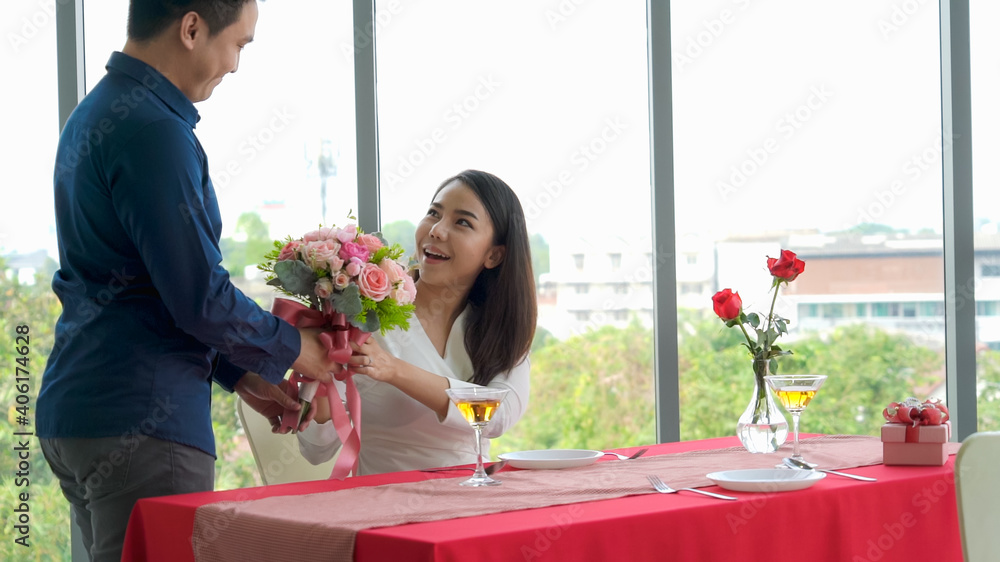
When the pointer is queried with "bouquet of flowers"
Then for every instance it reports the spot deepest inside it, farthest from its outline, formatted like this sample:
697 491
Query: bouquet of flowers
348 271
349 284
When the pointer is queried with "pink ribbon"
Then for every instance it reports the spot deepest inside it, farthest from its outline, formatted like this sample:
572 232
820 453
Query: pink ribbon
336 337
910 411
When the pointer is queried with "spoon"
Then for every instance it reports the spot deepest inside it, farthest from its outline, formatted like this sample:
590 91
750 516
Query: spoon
794 463
622 457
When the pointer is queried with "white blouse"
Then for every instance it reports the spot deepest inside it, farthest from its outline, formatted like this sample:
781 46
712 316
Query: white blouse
399 433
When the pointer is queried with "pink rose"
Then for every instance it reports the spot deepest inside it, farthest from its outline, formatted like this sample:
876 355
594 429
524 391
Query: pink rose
324 288
347 234
354 267
289 251
309 256
373 282
402 292
323 254
370 241
349 250
324 233
406 291
335 263
341 280
392 269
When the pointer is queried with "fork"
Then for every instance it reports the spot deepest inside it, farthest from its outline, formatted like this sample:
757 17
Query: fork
662 488
620 456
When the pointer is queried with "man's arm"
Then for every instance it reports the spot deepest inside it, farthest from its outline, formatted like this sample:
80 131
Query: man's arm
166 204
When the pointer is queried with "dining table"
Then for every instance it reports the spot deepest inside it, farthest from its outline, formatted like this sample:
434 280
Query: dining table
606 510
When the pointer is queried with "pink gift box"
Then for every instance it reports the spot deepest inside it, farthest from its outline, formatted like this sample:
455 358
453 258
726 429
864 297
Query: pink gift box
904 444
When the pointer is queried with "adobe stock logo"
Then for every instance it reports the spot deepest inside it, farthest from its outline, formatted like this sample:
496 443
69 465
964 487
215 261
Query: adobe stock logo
561 12
712 29
30 26
585 155
460 111
920 162
892 531
899 16
788 126
253 146
364 37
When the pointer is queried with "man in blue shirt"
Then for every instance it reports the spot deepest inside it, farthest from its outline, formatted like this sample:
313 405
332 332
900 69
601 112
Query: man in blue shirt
149 316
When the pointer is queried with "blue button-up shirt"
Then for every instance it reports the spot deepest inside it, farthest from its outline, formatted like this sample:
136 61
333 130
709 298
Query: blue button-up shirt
149 315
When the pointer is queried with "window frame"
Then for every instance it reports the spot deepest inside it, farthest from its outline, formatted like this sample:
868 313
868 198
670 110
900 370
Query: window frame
956 112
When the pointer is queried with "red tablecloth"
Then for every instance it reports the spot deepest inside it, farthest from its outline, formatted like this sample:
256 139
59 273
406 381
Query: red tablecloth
910 511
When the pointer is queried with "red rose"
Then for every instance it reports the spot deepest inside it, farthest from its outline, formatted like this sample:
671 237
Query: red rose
727 304
787 267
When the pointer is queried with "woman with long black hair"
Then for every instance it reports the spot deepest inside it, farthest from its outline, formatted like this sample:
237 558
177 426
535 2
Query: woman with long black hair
474 322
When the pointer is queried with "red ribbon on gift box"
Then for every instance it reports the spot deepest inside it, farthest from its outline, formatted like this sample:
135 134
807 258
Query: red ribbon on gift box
336 337
915 413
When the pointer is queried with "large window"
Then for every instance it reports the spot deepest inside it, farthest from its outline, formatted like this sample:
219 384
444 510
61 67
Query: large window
552 99
814 128
31 131
27 253
985 47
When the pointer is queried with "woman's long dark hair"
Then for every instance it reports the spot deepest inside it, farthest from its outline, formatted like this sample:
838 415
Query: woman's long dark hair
503 310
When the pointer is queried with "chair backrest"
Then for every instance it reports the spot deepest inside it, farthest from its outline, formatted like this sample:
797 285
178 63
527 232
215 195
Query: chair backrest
277 456
978 491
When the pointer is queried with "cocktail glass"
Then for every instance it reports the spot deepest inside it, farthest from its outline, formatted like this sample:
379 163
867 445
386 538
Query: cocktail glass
478 404
795 392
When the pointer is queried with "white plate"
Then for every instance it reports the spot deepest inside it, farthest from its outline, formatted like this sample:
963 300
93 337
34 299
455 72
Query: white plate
552 458
766 479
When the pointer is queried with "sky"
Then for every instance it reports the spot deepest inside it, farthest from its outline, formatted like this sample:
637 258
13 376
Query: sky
787 115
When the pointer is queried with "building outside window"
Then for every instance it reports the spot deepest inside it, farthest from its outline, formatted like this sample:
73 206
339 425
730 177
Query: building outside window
615 261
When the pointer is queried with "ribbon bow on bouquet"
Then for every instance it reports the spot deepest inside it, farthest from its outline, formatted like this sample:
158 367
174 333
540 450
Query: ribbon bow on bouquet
351 285
336 337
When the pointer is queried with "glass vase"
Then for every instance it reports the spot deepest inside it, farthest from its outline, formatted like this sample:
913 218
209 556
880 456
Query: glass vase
762 428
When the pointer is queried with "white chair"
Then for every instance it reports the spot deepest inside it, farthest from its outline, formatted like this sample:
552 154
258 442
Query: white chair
277 456
978 491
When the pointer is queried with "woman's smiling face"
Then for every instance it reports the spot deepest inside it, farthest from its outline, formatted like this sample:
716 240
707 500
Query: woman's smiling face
455 238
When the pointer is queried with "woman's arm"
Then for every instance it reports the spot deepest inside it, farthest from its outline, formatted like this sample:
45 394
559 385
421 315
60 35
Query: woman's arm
429 388
423 386
318 442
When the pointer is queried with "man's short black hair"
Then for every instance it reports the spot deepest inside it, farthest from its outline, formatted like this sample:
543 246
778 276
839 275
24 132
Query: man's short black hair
149 18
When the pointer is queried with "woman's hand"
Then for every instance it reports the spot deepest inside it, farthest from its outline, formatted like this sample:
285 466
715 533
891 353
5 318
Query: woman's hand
423 386
370 359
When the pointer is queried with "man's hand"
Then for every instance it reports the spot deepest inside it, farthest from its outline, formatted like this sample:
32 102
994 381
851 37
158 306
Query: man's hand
267 399
312 360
